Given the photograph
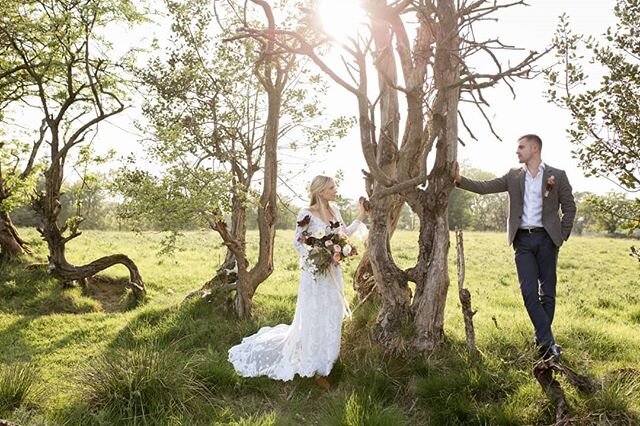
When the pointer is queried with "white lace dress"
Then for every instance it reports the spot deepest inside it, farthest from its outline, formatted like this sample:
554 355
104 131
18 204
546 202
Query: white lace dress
311 344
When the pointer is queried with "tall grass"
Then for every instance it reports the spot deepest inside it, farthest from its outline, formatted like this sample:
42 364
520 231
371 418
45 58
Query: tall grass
143 386
17 386
362 409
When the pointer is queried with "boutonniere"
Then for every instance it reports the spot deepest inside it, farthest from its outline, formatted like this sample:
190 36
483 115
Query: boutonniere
551 180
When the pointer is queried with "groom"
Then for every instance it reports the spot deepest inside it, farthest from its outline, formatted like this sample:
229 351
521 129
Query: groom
537 194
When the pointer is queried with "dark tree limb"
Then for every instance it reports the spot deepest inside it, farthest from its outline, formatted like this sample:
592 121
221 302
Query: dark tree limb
543 372
66 272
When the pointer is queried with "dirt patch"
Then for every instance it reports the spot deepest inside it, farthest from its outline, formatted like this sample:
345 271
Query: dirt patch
112 293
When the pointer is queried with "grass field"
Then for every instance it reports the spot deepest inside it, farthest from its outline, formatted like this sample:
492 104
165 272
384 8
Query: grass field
74 357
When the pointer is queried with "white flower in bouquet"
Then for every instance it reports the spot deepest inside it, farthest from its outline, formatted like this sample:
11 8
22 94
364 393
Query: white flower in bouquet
346 250
328 243
319 234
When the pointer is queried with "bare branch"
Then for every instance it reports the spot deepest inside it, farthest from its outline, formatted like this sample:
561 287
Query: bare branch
34 150
519 70
464 123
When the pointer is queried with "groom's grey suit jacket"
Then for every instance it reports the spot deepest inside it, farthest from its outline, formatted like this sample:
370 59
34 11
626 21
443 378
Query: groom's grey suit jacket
558 206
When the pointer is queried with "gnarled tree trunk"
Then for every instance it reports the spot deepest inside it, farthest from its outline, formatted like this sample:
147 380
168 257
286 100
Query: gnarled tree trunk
75 95
226 276
272 70
249 280
431 274
48 206
11 245
364 282
416 324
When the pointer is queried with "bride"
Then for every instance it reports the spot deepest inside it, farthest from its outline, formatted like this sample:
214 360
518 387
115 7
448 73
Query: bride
311 344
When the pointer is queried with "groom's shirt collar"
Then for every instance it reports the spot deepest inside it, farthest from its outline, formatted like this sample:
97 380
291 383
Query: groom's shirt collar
532 198
541 167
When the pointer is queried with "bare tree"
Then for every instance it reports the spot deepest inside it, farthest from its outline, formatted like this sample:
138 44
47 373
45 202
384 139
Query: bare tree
436 75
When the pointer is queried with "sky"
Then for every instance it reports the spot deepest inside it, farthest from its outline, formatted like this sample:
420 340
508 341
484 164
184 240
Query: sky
530 28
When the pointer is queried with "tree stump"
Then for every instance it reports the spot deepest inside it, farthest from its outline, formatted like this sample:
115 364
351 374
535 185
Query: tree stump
465 295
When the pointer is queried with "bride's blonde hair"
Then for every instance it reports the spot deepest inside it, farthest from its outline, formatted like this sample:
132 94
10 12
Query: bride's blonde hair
318 184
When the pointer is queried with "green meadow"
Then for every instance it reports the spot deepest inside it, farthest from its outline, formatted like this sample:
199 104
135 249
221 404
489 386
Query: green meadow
92 357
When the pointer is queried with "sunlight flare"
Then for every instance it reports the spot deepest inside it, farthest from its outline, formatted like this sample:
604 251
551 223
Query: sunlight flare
340 19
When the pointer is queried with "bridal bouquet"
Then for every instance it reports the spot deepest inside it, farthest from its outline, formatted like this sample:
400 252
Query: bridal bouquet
326 249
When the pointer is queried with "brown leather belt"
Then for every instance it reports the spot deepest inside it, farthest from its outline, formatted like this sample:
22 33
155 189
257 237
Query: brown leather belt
530 230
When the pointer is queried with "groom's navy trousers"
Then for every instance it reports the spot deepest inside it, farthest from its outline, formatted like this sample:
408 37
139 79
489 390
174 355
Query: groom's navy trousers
536 257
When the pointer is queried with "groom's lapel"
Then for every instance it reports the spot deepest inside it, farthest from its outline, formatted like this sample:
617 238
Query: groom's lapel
522 177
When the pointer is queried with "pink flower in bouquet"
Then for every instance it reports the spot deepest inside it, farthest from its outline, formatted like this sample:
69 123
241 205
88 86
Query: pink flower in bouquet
337 248
337 257
328 243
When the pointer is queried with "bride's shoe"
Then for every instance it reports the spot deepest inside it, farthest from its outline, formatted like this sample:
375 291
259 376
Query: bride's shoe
323 382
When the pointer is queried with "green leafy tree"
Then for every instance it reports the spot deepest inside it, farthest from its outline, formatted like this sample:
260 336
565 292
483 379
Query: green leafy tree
459 209
605 110
611 212
75 87
17 159
585 216
220 110
17 182
407 218
481 213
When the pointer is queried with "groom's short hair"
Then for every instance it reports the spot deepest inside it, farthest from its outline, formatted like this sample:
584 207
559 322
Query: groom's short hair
532 137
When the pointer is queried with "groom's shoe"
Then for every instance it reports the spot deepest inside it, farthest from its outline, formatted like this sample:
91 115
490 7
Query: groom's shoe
550 351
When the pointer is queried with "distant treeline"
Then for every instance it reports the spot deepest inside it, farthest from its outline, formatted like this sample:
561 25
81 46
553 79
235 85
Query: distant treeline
468 211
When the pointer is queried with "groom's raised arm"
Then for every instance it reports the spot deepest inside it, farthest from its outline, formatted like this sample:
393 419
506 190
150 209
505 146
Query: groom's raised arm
483 186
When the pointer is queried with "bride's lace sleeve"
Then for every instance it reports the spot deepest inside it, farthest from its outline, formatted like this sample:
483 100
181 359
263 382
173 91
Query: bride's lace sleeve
302 223
356 229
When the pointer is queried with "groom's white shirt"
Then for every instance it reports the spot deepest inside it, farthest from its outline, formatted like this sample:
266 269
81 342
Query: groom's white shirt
532 203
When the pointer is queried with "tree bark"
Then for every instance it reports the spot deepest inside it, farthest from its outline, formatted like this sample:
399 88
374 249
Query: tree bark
11 245
391 282
227 273
49 208
249 280
405 324
364 282
431 273
465 295
272 70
